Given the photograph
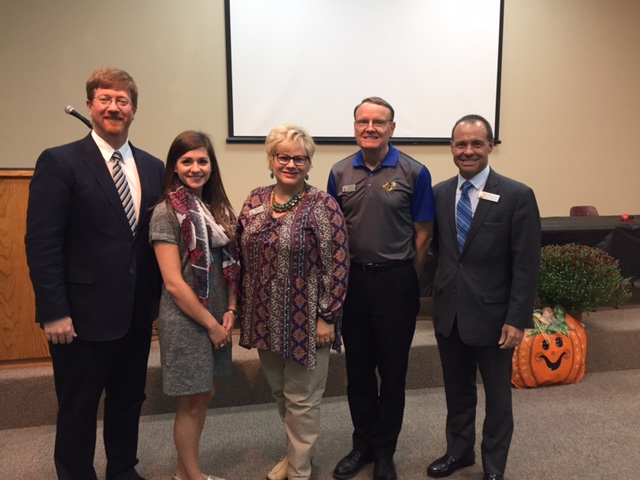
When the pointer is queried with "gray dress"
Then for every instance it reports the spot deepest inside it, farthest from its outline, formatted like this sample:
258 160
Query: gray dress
189 361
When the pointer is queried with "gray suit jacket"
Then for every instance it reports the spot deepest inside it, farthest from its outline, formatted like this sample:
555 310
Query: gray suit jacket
493 280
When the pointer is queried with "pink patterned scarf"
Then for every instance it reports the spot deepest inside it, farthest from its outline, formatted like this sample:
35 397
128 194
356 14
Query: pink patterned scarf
201 233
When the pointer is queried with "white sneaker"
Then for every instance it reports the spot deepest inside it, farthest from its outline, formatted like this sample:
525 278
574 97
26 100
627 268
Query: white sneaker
279 472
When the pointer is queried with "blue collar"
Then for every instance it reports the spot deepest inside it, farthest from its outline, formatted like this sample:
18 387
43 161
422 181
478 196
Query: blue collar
391 160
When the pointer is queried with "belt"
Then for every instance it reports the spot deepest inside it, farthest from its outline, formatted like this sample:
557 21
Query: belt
380 267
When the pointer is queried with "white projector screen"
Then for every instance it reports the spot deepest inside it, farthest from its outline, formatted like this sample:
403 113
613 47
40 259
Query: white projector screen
310 62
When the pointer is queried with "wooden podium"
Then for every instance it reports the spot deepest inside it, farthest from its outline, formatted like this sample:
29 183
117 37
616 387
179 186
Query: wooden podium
21 339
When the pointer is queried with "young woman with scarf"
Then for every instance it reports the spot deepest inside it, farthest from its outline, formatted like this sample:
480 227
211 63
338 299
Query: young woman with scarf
191 232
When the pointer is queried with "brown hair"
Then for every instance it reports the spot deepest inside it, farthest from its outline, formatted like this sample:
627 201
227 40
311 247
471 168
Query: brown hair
471 118
378 101
213 192
115 79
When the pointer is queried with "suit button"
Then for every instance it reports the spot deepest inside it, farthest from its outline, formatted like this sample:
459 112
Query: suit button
132 271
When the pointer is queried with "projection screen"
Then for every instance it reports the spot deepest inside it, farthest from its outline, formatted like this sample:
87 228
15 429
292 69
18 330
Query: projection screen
310 62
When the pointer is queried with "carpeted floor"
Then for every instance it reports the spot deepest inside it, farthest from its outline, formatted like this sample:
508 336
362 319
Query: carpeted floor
587 431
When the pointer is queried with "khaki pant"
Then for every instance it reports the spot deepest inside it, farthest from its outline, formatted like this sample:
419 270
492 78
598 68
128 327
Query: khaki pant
298 393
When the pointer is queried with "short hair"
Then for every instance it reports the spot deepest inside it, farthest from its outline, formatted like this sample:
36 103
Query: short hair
377 101
213 192
289 133
475 118
115 79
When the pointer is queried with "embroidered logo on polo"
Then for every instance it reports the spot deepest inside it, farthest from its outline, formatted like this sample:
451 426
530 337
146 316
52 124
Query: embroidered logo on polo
389 186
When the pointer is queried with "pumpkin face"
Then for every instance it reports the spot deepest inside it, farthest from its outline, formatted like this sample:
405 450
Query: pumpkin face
545 358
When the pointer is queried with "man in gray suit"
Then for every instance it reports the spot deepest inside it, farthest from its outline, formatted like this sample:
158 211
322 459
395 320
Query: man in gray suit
488 245
95 278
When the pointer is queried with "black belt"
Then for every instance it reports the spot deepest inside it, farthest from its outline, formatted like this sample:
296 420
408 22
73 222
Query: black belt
380 267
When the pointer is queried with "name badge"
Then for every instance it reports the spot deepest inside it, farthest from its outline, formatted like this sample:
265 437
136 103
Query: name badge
257 210
492 197
349 188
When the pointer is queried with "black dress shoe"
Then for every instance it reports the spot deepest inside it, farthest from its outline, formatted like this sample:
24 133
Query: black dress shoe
130 475
492 476
384 469
446 465
350 465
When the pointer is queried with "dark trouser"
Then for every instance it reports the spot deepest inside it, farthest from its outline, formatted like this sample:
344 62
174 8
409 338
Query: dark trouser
460 365
378 326
82 371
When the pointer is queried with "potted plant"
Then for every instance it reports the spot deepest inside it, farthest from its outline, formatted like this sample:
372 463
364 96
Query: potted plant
580 278
573 279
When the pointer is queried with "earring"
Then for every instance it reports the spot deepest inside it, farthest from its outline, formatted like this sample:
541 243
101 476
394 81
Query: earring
272 175
306 177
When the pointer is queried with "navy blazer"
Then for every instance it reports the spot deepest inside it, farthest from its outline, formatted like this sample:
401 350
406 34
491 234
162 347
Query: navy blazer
493 281
83 259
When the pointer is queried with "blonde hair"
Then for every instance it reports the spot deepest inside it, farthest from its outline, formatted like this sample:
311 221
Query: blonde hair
289 133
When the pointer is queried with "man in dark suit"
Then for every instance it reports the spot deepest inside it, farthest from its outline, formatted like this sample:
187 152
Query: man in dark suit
95 277
488 246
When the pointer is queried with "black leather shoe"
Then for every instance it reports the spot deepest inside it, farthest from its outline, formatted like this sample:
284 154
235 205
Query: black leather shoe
129 475
446 465
384 469
350 465
492 476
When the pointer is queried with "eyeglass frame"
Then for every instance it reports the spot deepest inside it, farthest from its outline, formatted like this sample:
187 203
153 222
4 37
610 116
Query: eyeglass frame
298 161
377 123
107 100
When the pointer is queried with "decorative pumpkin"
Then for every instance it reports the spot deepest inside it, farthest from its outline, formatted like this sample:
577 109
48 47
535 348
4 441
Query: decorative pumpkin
554 352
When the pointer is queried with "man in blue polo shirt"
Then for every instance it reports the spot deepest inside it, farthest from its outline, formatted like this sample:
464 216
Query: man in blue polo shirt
387 201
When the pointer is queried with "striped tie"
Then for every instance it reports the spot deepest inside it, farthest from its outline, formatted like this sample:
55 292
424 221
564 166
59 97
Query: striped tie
123 190
464 213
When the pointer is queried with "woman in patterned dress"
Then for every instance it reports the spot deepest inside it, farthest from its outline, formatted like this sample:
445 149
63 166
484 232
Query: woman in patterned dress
294 254
191 231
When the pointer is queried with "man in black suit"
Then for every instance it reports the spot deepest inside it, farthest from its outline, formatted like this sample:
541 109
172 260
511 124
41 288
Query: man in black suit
95 277
488 246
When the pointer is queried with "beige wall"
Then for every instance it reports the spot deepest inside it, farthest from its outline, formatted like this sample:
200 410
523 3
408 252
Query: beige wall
570 100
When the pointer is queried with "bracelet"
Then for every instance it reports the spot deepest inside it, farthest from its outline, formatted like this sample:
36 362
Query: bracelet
235 314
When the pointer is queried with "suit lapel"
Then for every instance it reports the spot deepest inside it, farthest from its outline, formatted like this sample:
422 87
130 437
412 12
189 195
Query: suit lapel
483 208
94 160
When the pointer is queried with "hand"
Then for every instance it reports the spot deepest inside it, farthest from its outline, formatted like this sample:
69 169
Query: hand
228 321
511 337
219 335
60 331
325 334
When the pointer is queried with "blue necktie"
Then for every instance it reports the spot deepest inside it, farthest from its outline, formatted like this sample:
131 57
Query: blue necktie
464 213
123 190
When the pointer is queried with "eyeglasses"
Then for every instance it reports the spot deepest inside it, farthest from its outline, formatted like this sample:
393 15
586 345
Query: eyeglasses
376 123
298 161
105 100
